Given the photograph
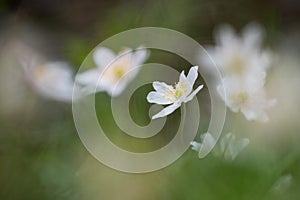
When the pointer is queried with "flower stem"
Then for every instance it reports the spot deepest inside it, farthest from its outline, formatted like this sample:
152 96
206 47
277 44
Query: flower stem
182 121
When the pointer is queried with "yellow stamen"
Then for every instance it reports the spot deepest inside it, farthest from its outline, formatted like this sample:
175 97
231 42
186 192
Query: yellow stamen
120 69
39 71
239 98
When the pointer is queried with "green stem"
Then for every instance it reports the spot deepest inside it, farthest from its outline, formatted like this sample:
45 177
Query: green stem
182 120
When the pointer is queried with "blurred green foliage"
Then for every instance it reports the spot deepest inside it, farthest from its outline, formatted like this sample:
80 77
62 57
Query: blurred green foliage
41 156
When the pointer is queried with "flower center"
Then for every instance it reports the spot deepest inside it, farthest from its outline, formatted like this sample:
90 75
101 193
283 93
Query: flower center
39 71
120 69
239 98
119 72
178 93
180 89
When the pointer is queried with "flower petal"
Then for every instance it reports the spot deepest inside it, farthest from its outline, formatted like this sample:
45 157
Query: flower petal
103 56
222 93
236 147
116 89
182 77
192 75
208 142
93 81
158 98
162 87
88 77
255 115
184 81
191 96
253 35
226 140
139 56
195 145
167 110
125 54
55 81
225 35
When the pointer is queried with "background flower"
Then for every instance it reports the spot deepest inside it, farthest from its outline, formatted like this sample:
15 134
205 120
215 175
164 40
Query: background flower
240 55
52 80
113 72
243 64
247 96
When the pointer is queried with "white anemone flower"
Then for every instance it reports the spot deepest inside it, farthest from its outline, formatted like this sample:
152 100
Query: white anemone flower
248 97
114 71
174 96
243 64
239 55
53 80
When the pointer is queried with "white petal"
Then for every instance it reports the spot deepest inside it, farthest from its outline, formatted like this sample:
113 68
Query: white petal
255 115
56 92
88 77
195 145
131 74
125 54
231 147
252 35
191 96
93 81
55 81
238 147
125 51
222 93
184 81
139 56
103 56
271 103
266 58
162 87
192 75
226 140
167 110
225 35
182 77
158 98
116 90
208 142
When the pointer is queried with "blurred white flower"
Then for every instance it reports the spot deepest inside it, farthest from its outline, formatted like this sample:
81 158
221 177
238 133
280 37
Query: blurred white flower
243 64
113 72
248 97
175 95
229 147
240 56
52 80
